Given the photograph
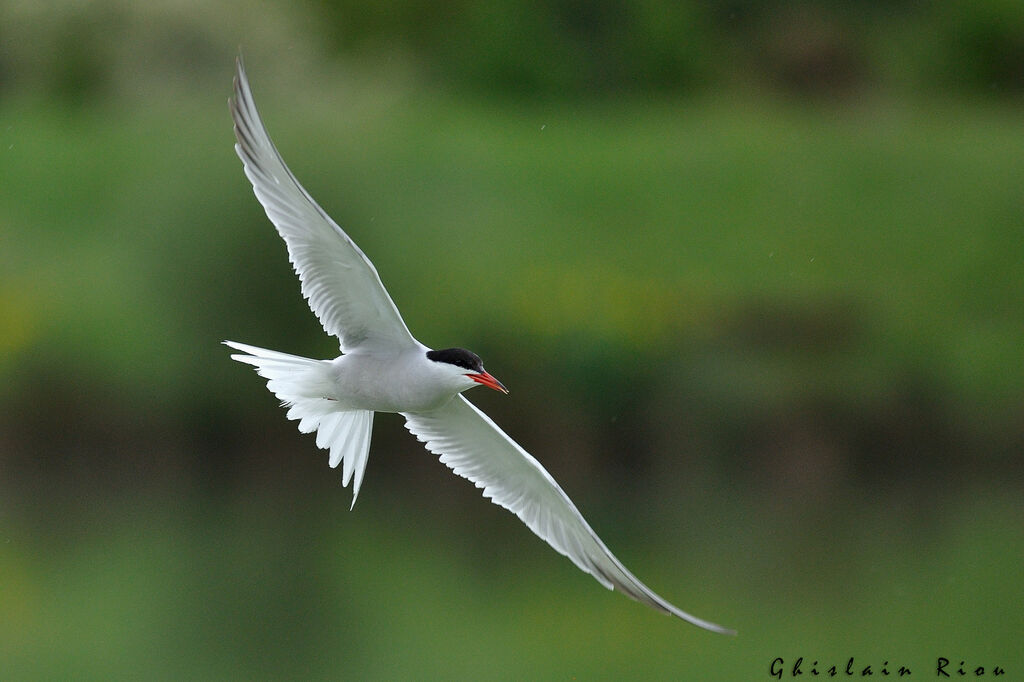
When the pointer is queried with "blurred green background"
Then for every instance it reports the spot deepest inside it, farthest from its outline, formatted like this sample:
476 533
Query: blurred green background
752 272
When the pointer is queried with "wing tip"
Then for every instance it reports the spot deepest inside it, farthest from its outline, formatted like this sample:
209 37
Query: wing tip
703 624
716 628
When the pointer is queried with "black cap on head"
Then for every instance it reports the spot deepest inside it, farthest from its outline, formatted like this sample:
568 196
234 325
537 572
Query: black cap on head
460 357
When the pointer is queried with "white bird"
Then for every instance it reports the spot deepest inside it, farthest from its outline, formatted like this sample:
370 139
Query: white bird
382 368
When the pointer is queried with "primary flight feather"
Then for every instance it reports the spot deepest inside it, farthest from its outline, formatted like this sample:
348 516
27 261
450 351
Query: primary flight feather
383 368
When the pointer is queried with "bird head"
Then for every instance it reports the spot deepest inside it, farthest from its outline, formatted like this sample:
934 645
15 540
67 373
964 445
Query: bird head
466 364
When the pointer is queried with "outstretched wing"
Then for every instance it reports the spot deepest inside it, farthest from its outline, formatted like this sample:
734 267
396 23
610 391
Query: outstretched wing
341 284
473 446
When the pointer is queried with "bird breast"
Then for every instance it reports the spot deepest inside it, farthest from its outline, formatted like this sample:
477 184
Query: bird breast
405 382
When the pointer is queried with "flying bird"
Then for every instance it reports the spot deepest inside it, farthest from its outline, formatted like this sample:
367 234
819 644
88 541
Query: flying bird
383 368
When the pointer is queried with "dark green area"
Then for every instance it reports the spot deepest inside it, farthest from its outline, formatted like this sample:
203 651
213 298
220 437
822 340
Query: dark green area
810 47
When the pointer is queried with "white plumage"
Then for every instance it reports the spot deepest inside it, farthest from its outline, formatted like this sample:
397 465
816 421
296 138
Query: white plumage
383 368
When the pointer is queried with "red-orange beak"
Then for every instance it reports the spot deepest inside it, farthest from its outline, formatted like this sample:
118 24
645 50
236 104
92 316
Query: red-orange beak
487 380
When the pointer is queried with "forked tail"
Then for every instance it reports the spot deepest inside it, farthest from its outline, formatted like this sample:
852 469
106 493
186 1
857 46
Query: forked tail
304 385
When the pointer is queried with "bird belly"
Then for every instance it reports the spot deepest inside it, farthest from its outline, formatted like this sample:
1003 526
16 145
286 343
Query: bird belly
385 384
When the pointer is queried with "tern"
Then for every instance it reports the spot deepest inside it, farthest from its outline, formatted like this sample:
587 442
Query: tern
383 368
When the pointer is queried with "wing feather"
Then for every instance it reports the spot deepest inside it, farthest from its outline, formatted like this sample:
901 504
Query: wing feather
468 442
339 281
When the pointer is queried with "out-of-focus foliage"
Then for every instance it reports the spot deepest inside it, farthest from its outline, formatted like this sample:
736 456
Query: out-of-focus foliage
528 48
75 52
573 46
768 342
